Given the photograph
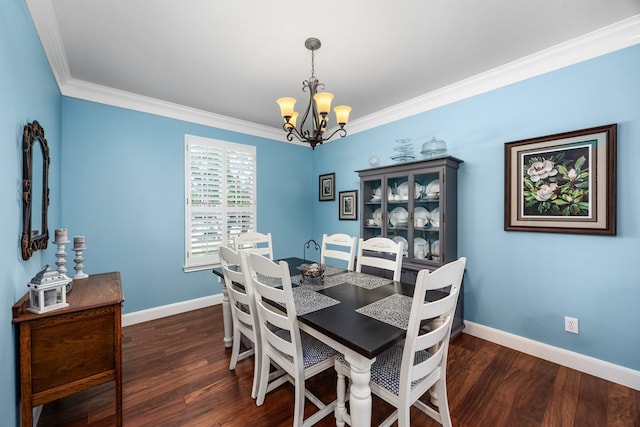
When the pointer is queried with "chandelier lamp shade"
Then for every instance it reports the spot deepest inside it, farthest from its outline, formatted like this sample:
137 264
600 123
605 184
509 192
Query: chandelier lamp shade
311 129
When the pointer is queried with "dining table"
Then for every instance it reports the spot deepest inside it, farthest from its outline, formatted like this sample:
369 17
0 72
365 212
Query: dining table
358 314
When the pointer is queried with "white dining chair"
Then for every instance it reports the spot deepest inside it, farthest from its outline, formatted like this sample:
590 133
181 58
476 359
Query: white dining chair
243 311
244 315
405 372
300 355
254 242
339 246
375 252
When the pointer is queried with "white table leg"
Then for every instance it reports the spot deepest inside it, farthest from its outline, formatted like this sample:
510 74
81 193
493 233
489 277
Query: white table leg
360 395
227 321
340 411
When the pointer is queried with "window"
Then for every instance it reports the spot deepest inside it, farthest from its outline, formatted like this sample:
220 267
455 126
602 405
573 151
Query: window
220 190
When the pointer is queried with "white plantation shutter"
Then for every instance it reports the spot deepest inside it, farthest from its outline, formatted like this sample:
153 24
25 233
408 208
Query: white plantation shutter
241 193
220 182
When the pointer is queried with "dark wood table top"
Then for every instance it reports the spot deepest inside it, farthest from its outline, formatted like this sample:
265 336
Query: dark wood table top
341 322
366 335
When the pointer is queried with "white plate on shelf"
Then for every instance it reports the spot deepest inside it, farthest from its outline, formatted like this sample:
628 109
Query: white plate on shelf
435 248
403 190
377 217
377 192
433 187
399 217
421 212
435 217
420 245
405 244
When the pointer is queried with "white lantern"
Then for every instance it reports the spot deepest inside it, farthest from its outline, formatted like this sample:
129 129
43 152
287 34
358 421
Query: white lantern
47 291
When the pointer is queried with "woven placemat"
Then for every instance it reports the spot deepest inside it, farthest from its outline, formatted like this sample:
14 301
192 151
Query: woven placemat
363 280
308 301
393 310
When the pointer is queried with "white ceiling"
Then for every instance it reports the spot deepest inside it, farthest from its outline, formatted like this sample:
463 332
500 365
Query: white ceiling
234 58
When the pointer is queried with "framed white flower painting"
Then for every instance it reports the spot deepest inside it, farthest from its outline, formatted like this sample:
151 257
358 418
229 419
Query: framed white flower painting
562 183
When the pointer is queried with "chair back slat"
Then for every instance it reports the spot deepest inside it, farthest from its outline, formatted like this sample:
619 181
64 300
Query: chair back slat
438 307
339 246
254 242
231 266
435 336
372 252
423 368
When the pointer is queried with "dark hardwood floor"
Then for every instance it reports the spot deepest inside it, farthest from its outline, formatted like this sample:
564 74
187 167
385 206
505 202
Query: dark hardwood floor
176 373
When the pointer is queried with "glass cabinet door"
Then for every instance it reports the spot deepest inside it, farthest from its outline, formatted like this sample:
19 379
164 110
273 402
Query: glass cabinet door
373 212
427 217
399 205
406 209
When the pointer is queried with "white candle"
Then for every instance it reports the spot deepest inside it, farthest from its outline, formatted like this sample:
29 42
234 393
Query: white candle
61 235
78 242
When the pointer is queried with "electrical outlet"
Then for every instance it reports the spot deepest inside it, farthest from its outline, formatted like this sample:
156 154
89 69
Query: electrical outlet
571 324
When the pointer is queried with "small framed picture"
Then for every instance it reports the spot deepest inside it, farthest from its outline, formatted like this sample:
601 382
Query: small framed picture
348 205
562 183
327 190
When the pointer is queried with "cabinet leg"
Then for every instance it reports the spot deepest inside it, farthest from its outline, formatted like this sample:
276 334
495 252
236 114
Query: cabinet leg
26 415
119 403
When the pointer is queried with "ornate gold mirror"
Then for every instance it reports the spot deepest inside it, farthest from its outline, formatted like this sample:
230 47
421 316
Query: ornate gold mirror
35 189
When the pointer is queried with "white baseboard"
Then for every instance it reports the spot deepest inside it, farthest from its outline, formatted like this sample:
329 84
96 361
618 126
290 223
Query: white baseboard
589 365
170 309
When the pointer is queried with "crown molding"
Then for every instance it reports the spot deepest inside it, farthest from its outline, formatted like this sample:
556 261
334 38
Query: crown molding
46 24
608 39
105 95
605 40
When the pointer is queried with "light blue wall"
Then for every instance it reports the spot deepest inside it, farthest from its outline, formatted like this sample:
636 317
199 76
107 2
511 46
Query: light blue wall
117 177
522 282
28 92
123 181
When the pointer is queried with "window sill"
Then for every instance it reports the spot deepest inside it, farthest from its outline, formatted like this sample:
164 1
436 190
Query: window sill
192 268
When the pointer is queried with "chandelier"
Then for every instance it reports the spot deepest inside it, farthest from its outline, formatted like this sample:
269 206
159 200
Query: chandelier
314 122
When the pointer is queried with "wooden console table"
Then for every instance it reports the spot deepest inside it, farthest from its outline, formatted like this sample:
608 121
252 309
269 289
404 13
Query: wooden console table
72 349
